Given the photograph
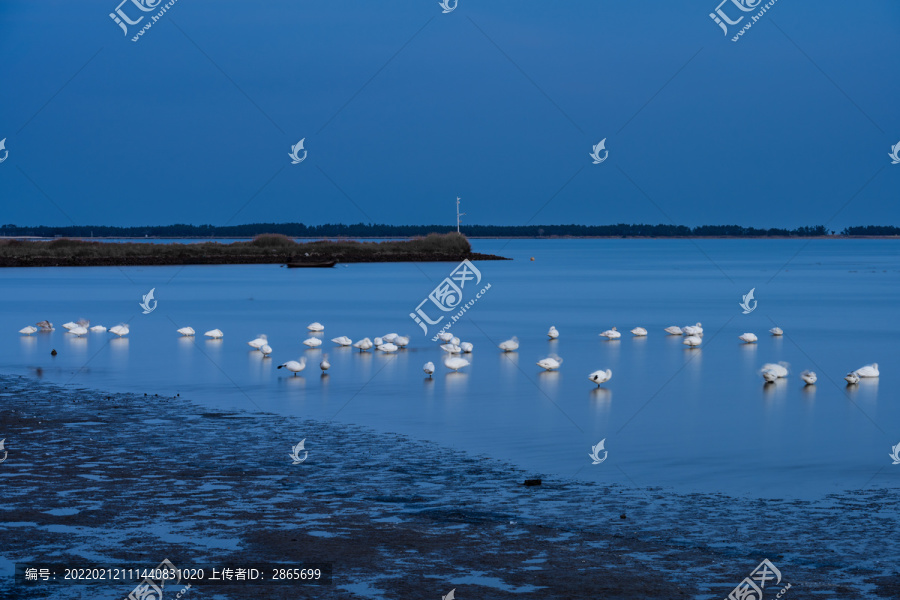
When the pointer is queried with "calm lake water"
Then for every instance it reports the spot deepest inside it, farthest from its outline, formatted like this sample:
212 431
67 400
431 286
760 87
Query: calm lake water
689 420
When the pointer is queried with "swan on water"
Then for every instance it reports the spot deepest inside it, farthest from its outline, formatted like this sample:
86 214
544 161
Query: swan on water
749 338
388 347
852 378
28 330
44 325
510 345
696 330
455 363
312 342
215 334
294 366
266 350
316 326
445 336
78 330
259 342
402 341
324 365
809 377
769 375
363 344
639 331
428 368
673 330
551 363
553 333
776 331
451 348
119 330
343 341
600 376
780 369
187 331
378 341
692 341
389 337
466 347
868 370
98 329
611 334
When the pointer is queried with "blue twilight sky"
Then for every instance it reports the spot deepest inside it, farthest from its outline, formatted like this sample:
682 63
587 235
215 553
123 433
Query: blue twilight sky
403 108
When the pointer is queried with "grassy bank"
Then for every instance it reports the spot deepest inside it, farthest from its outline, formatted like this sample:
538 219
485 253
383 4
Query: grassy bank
264 249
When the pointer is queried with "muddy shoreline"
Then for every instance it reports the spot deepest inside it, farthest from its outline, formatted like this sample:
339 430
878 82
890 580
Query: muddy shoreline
130 479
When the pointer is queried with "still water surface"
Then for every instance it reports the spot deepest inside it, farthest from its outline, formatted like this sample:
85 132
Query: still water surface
690 420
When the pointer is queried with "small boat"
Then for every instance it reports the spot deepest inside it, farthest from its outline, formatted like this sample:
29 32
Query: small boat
311 265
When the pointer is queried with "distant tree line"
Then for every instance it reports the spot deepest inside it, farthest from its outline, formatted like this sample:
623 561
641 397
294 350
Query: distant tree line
363 230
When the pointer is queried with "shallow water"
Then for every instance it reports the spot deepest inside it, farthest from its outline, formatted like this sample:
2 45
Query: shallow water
693 420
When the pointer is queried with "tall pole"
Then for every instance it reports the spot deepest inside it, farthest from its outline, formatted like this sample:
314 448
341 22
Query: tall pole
458 214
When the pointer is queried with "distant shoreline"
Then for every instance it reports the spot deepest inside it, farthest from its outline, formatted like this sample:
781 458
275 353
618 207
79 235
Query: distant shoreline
472 237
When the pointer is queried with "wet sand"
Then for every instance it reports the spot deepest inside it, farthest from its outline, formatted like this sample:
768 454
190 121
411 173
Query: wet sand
129 479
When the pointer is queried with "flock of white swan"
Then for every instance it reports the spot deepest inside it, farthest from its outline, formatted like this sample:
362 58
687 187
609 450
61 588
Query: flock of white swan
454 348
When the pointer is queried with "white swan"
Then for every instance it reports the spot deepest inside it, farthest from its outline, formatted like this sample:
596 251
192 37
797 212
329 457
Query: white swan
747 337
294 366
312 342
259 342
324 365
187 331
692 340
445 336
402 341
696 330
28 330
673 330
98 328
455 341
455 363
451 348
852 378
809 377
769 375
776 331
119 330
70 325
378 341
388 347
342 341
428 368
551 363
389 337
868 370
215 334
779 369
363 344
510 345
611 334
78 330
600 376
553 333
316 326
466 347
44 325
639 331
266 350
